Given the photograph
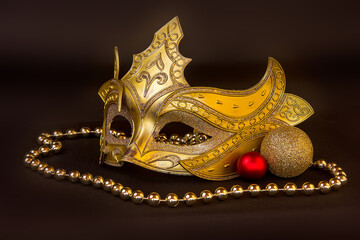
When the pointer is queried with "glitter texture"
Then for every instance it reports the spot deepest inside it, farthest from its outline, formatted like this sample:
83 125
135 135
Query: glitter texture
288 151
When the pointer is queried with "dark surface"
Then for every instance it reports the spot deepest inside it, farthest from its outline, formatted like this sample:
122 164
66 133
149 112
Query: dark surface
55 56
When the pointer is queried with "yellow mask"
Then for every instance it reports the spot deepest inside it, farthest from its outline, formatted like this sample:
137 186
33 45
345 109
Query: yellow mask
154 93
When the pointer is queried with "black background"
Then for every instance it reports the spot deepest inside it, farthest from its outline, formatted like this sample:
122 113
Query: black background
54 56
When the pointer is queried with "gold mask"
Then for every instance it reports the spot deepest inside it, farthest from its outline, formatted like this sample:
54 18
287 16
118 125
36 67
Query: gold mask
154 93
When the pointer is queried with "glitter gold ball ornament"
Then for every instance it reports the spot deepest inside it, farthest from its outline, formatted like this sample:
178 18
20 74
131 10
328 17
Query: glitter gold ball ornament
288 151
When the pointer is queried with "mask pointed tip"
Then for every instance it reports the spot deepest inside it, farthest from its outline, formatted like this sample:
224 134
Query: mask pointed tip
116 63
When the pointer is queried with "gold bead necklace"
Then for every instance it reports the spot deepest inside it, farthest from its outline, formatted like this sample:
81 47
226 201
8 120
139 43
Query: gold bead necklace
49 143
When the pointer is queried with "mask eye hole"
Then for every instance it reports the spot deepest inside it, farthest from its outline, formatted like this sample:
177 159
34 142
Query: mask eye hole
120 127
177 133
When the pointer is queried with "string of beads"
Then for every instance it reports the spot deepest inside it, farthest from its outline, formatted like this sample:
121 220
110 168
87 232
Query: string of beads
174 139
49 143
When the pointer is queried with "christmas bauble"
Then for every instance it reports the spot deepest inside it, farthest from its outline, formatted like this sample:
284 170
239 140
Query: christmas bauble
252 166
288 151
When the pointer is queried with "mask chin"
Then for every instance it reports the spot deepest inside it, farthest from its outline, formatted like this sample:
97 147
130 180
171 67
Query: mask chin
165 162
114 156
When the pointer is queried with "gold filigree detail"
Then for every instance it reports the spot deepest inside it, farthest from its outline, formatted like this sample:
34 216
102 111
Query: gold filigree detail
294 109
160 62
155 92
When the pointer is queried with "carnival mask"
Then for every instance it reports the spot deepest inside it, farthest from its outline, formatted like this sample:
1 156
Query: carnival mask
226 123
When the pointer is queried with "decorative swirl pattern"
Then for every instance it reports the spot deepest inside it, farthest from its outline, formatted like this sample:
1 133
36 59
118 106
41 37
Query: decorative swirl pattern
144 75
294 109
160 62
172 159
171 35
206 109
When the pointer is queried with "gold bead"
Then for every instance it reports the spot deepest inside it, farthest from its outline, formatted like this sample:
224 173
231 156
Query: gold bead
324 186
71 133
173 137
74 176
44 150
41 167
60 174
271 189
108 184
321 164
122 137
153 199
172 200
290 189
162 135
116 189
192 141
190 198
342 178
187 136
340 173
47 141
254 190
27 161
85 131
206 196
308 188
35 153
48 171
56 146
29 155
118 134
125 193
330 165
288 151
57 143
201 137
236 191
221 193
35 164
97 132
113 132
98 182
45 134
40 139
137 197
57 134
335 184
335 169
86 178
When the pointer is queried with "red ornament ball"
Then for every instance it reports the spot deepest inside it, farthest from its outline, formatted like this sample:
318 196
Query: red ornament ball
251 166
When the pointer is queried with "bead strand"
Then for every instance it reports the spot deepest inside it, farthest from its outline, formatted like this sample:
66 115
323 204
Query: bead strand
49 143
